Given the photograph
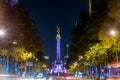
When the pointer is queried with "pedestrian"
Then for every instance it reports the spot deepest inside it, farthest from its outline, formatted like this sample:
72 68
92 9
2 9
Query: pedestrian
23 75
18 74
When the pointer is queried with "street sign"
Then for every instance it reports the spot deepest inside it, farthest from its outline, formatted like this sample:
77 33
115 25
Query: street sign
86 63
29 63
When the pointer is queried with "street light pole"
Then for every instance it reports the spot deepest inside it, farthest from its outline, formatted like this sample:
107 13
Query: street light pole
116 58
112 33
2 34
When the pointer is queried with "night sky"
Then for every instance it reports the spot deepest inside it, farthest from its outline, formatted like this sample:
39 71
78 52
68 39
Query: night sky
50 13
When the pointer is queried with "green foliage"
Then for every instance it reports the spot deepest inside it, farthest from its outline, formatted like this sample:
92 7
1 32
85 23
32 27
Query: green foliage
38 66
73 67
96 54
90 36
20 28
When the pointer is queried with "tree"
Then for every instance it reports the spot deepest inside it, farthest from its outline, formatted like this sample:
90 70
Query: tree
114 10
21 29
26 36
85 33
101 47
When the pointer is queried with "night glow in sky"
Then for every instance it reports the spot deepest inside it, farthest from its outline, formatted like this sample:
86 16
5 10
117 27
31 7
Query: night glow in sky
50 13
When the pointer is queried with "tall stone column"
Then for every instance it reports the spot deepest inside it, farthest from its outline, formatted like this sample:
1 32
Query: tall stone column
58 38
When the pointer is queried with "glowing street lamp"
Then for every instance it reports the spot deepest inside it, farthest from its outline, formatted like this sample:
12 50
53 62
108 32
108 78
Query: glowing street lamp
2 32
112 32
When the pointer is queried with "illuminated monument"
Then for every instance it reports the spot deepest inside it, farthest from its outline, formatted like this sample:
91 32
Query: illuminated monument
58 67
58 38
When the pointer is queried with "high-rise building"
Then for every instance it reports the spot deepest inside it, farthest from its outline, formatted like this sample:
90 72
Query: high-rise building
97 7
11 2
89 7
66 55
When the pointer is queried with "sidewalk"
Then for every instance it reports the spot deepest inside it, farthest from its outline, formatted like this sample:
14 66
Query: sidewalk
8 77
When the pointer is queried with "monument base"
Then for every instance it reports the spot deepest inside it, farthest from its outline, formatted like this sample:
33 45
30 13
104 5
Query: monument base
58 68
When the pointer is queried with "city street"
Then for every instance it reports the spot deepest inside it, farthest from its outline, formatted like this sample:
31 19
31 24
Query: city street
59 39
13 77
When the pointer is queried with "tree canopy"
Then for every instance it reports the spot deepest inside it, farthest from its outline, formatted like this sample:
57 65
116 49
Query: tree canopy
92 38
21 29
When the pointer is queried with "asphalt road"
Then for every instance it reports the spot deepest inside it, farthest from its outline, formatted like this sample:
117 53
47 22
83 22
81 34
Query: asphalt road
13 77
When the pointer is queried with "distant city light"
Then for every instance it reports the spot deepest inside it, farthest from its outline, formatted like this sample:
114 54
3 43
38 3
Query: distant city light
46 57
